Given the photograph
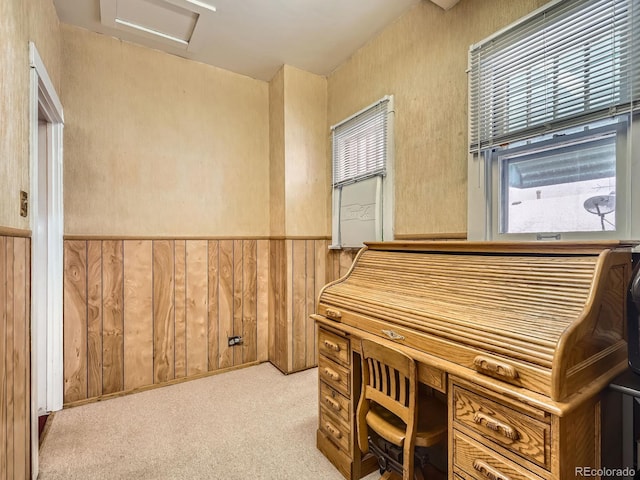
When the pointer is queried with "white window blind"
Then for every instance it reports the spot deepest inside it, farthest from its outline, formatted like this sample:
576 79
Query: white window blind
570 63
360 145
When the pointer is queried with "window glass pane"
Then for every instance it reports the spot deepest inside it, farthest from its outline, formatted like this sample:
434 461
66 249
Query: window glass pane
564 189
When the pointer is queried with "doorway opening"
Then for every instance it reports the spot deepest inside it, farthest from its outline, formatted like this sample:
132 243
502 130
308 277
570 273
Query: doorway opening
45 147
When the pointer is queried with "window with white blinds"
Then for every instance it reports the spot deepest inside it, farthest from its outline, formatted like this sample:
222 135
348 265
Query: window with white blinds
360 145
570 63
362 183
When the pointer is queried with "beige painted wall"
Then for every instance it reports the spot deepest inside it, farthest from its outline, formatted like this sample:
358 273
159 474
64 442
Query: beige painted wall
276 154
421 59
159 145
21 21
300 174
307 176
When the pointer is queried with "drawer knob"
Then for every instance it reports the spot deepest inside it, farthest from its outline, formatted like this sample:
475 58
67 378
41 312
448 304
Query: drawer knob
488 471
502 428
332 430
334 314
332 345
332 374
494 367
332 403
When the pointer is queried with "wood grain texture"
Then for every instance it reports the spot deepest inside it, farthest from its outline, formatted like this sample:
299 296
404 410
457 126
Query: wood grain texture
278 345
214 330
262 300
298 270
15 363
4 318
138 313
238 281
197 299
12 401
21 353
531 310
299 304
525 315
159 310
112 317
503 425
225 307
28 399
249 301
163 311
346 260
180 296
94 318
75 321
310 291
322 268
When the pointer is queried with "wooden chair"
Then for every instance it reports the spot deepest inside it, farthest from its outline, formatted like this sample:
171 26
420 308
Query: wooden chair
389 406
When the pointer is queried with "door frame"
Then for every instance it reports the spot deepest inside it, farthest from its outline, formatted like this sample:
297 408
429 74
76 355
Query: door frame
43 97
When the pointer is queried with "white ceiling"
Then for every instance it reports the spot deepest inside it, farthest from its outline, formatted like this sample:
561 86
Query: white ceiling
251 37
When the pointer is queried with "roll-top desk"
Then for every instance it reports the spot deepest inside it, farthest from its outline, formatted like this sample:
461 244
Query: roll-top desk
522 338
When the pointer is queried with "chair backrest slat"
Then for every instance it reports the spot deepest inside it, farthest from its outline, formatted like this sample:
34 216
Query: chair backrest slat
403 388
384 374
390 374
393 383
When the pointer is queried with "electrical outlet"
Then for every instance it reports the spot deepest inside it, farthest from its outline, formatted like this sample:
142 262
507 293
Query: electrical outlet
24 203
235 340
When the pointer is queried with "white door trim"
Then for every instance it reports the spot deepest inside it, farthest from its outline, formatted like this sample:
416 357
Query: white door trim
43 96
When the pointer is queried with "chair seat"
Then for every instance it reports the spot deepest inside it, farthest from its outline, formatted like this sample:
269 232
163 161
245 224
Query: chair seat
431 428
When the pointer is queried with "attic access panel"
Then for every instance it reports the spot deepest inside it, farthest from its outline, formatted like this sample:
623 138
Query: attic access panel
173 22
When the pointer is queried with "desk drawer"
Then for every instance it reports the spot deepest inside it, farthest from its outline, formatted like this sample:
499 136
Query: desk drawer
334 346
335 429
336 376
482 463
515 431
334 401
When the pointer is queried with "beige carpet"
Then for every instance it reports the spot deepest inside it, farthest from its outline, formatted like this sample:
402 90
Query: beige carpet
253 423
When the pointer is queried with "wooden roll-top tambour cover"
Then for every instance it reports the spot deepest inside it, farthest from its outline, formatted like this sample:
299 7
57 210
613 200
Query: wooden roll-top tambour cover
545 316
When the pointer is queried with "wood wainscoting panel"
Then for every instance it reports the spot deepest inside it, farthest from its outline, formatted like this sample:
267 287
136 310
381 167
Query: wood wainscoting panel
15 365
4 363
151 311
21 356
278 343
249 301
310 305
237 298
75 320
298 278
180 293
213 313
262 300
138 313
197 300
225 308
11 370
112 317
94 318
163 311
299 268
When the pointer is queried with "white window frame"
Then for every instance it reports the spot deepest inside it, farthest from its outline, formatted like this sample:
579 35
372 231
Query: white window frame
385 178
484 177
